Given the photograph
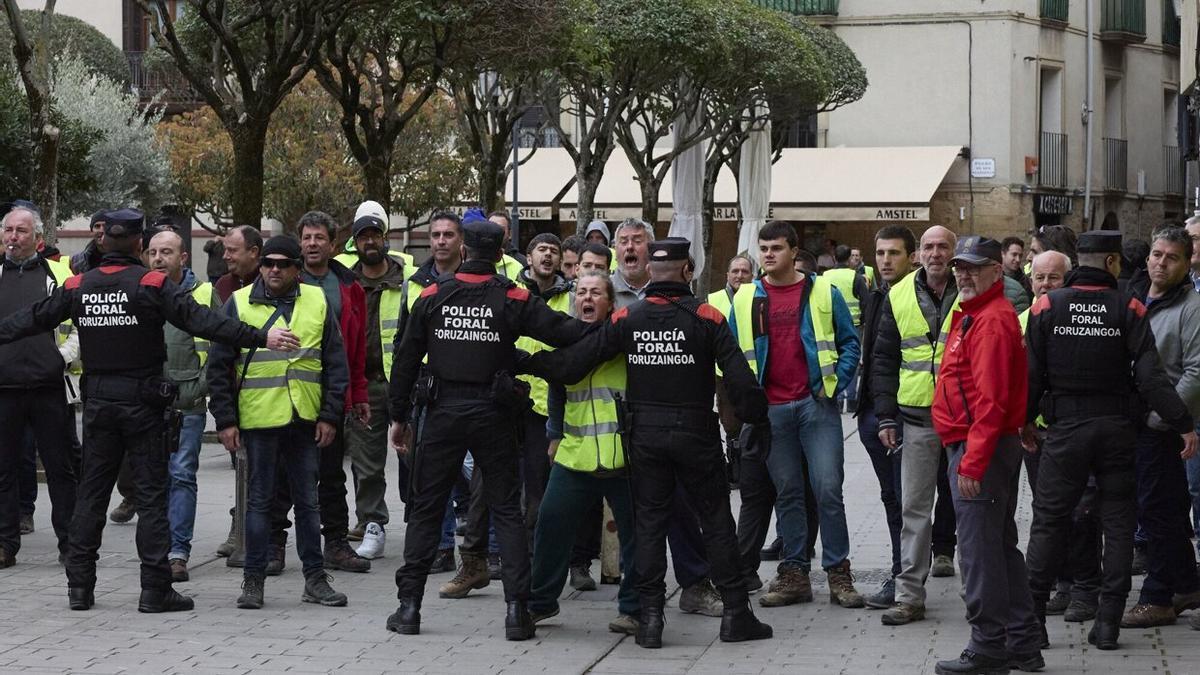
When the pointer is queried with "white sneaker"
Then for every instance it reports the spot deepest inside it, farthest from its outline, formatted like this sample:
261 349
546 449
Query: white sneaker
372 542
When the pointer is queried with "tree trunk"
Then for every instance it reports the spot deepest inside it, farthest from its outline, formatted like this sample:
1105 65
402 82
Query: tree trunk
585 202
377 179
248 144
649 189
491 189
45 180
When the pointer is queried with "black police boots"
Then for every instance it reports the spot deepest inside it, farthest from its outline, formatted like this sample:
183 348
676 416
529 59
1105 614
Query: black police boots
407 619
154 602
81 598
518 625
739 624
649 632
1107 627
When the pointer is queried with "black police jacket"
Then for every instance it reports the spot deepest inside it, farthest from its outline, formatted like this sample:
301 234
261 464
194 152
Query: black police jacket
671 341
1091 341
872 306
467 324
135 349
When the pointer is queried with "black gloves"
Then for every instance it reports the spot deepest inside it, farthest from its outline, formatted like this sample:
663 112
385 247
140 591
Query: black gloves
755 440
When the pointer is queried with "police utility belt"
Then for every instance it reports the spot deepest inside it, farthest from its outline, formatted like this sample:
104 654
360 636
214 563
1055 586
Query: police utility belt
156 391
504 390
1064 406
656 415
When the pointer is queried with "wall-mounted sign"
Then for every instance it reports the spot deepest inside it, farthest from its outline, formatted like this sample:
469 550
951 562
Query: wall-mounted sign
1053 205
983 167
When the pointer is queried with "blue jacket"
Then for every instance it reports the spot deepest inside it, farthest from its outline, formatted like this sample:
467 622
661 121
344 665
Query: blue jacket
845 334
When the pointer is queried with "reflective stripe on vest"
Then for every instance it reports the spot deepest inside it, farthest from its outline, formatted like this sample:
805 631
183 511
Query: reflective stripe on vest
203 294
820 313
843 279
920 357
390 302
282 386
590 441
720 299
61 272
538 389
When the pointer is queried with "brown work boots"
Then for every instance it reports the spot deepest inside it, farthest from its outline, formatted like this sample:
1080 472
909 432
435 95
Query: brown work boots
789 587
472 574
841 586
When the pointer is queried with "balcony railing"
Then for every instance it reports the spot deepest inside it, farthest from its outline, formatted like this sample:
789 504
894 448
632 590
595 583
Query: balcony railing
1116 164
802 7
163 81
1170 25
1172 170
1056 11
1052 160
1123 20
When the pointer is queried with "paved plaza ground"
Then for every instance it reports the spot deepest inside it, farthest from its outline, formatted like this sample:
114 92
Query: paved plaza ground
38 632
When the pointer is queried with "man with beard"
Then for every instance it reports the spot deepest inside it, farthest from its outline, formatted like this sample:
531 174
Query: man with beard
572 248
346 304
382 278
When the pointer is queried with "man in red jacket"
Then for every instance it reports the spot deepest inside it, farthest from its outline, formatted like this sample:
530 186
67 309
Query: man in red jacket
978 410
347 300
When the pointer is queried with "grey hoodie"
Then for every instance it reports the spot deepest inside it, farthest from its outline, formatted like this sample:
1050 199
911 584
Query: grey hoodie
598 226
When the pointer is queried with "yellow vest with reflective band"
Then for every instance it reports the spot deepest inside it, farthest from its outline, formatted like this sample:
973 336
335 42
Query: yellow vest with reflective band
281 386
720 300
509 268
203 294
1023 319
390 303
612 261
538 389
590 441
350 259
820 313
919 358
843 279
61 271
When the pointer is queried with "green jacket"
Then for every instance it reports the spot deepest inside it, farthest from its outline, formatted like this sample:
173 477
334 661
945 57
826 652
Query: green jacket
185 366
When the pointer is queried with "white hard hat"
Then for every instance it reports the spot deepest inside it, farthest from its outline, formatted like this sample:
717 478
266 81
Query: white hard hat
371 208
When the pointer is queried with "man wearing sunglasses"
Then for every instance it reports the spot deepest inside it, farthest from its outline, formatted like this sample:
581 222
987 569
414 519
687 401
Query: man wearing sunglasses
285 408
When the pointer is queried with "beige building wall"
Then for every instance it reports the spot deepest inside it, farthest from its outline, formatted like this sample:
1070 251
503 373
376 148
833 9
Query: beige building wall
923 92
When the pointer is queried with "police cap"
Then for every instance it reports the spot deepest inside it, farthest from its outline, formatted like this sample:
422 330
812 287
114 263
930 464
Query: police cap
976 250
122 222
483 236
1099 241
671 248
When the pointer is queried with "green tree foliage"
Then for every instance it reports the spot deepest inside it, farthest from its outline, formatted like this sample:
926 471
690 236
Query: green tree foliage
75 176
76 38
126 162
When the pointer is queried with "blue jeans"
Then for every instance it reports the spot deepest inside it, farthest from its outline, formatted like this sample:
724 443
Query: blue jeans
181 496
294 448
1193 477
810 429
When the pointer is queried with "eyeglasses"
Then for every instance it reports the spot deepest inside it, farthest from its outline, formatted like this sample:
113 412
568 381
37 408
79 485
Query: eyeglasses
278 263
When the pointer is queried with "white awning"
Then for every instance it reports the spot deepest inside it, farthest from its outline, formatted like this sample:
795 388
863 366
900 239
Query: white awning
814 184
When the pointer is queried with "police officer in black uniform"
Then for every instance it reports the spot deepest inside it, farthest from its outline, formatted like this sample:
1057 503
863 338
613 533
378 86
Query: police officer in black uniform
1091 355
672 340
119 309
467 324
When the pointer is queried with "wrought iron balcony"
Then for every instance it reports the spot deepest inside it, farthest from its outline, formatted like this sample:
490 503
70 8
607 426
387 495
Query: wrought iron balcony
1056 11
162 81
1052 160
803 7
1123 20
1116 164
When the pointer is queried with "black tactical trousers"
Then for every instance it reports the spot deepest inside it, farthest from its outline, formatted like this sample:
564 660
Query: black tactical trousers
667 449
1075 448
115 428
45 412
331 494
450 428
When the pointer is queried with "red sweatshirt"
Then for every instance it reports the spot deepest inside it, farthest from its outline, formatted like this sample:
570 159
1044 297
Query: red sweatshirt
983 382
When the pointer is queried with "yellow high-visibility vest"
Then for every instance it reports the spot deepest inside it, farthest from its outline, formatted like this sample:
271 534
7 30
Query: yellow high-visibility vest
590 440
281 386
820 313
920 357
